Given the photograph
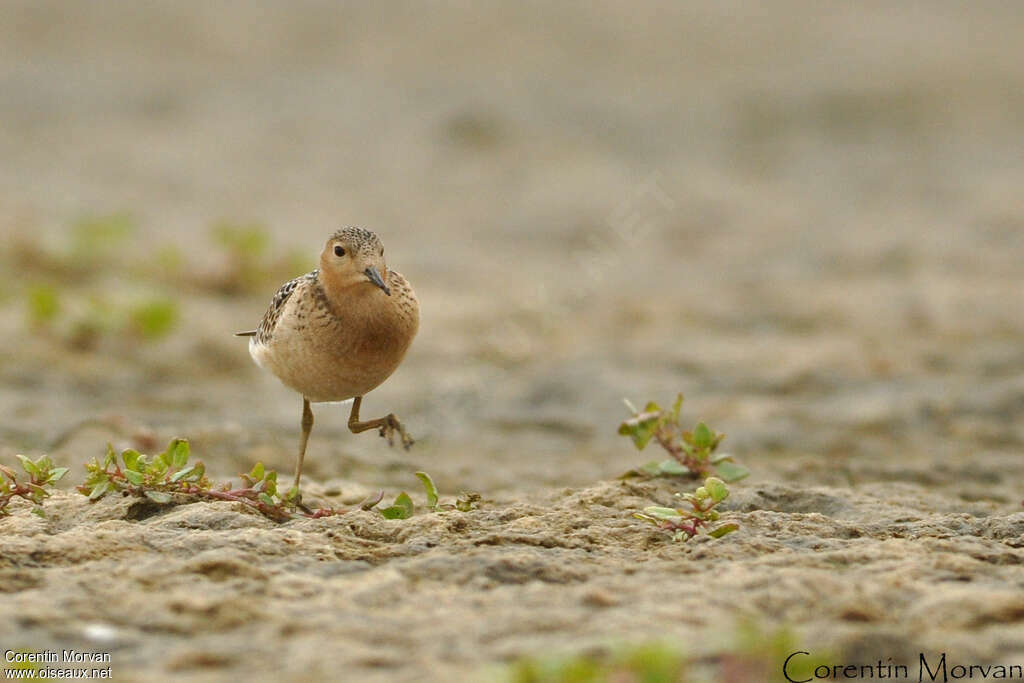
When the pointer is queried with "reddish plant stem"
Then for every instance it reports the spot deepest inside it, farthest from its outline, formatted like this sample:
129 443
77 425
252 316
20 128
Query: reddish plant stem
245 496
690 529
23 491
666 439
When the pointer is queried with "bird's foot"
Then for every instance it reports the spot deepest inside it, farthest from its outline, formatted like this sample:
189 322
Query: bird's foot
392 425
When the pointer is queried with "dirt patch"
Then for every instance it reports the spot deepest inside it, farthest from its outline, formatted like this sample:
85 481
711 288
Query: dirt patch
191 588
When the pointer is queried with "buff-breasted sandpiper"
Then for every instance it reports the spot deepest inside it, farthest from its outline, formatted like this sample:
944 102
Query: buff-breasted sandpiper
338 332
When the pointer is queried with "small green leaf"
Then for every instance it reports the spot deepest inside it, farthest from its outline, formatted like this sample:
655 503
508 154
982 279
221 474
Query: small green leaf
257 472
677 407
99 490
702 436
159 496
181 474
672 467
28 465
716 488
293 494
662 512
8 472
179 451
641 428
134 477
154 318
266 499
39 511
719 457
718 532
43 304
730 471
57 474
38 492
131 457
111 457
428 484
652 468
402 508
159 466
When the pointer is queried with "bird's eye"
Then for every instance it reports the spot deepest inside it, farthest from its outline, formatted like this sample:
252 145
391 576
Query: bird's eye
339 250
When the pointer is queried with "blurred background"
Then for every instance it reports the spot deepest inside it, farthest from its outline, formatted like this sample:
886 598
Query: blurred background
806 216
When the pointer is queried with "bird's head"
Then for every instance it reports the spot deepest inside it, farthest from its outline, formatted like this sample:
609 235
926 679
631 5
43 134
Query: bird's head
354 256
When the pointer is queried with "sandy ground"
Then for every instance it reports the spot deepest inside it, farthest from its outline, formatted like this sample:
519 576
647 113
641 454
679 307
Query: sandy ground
809 219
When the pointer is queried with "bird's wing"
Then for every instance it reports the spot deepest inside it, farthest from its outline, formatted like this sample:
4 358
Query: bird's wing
266 329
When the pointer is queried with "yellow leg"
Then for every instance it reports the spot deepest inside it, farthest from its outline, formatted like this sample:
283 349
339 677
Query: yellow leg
387 425
307 427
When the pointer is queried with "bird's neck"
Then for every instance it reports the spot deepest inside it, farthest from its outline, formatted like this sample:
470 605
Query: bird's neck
350 298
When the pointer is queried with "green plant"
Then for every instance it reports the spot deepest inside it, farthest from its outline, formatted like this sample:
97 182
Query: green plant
248 241
641 663
431 489
686 522
156 477
750 653
249 262
169 475
82 319
759 654
403 507
43 303
95 238
42 475
464 503
693 452
153 318
88 248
